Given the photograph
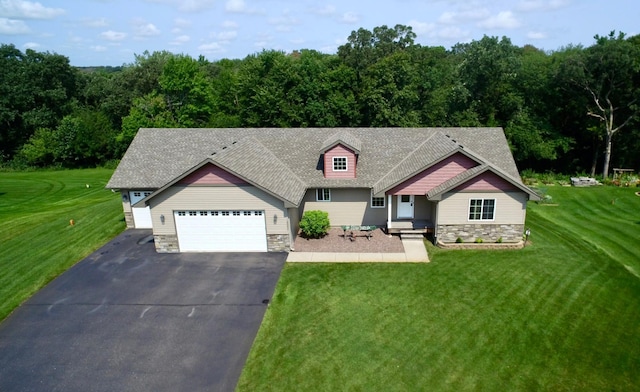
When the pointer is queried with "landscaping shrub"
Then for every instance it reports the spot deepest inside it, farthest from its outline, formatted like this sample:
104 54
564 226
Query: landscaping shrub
479 240
459 240
314 224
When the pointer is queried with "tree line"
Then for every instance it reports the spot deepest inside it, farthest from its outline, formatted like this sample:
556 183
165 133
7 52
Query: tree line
570 110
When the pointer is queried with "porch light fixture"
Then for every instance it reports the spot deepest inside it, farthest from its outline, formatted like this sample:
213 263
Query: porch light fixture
162 219
125 198
275 219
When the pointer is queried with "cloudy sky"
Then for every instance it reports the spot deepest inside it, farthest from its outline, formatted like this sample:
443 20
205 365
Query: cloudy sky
110 32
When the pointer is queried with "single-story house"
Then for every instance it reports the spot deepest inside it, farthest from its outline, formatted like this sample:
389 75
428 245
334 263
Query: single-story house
207 190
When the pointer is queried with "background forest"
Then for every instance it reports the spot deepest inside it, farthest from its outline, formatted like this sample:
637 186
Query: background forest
565 111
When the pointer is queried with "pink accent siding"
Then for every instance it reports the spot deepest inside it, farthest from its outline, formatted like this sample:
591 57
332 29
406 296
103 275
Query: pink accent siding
428 179
211 175
487 181
339 151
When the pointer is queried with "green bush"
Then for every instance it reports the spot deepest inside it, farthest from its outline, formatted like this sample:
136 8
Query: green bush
499 240
459 240
479 240
314 224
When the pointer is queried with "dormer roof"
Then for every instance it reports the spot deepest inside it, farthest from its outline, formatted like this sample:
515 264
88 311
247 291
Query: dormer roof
343 137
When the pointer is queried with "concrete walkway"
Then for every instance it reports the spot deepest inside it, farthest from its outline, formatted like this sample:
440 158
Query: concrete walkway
414 252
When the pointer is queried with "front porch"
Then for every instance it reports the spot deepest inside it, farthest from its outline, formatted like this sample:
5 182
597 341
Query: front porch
411 214
406 226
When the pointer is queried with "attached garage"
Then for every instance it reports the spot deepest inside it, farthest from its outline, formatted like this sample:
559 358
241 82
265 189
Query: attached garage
141 215
221 231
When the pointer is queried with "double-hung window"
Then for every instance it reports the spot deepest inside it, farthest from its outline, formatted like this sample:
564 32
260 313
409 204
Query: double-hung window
377 202
482 209
339 163
323 194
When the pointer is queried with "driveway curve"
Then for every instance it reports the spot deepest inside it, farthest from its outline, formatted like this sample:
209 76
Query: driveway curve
128 318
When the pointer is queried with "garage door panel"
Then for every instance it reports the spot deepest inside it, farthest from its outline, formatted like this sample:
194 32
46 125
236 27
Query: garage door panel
141 215
221 231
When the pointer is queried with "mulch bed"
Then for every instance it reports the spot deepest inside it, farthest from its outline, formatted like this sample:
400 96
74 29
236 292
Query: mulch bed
334 241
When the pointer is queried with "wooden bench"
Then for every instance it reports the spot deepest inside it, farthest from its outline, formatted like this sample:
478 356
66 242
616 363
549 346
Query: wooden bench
349 231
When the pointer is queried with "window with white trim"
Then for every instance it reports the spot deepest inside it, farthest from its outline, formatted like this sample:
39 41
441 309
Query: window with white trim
323 194
339 163
377 202
482 209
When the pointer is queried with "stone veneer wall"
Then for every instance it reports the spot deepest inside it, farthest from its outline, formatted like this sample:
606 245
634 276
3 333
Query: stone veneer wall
169 243
166 243
278 242
488 232
128 219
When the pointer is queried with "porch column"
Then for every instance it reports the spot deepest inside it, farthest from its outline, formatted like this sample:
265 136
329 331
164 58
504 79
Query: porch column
389 209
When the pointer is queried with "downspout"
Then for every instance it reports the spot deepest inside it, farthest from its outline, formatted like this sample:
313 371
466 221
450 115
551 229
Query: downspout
435 223
389 209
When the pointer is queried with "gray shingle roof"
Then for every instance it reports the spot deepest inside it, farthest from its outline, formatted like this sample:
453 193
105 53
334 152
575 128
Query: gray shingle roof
284 160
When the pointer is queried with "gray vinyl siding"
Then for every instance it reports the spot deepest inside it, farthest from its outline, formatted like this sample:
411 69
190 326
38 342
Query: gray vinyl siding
422 208
181 198
510 207
347 207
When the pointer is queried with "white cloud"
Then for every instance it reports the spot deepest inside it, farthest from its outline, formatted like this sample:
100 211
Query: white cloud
504 20
13 27
328 10
350 18
95 22
284 22
194 5
297 41
211 48
31 45
186 5
541 5
98 48
224 36
421 27
451 17
27 10
229 24
536 35
180 40
143 29
240 7
182 23
451 33
111 35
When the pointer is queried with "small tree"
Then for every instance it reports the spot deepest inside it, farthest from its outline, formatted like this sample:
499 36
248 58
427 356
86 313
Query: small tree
314 224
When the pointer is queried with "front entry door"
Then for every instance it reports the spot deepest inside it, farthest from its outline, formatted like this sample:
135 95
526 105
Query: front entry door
405 206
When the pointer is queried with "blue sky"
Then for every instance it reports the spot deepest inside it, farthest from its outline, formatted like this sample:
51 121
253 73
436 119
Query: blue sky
110 32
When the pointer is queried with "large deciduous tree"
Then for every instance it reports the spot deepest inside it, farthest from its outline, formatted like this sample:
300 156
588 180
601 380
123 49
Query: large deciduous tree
608 72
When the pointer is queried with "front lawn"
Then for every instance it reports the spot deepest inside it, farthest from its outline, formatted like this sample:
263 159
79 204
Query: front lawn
37 241
561 314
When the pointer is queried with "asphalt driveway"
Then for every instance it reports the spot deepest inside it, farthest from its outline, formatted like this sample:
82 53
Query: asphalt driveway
130 319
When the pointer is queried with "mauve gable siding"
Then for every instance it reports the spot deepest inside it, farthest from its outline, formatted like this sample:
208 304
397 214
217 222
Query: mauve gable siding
211 175
339 151
421 183
487 181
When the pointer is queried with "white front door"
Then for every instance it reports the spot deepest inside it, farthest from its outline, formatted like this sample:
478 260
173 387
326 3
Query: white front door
405 206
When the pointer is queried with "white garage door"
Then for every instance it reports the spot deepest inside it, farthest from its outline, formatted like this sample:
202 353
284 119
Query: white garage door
141 215
221 231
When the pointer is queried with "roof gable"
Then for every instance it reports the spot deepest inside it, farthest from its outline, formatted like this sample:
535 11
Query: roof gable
342 137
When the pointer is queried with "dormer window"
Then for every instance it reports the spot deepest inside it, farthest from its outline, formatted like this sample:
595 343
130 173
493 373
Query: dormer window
339 163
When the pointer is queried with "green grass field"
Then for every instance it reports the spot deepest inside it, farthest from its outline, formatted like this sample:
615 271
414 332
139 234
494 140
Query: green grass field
563 314
37 243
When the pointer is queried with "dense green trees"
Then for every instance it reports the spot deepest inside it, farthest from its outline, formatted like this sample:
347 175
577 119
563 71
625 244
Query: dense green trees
571 110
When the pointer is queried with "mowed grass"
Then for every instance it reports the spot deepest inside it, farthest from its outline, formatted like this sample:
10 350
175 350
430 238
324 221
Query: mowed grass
563 314
37 243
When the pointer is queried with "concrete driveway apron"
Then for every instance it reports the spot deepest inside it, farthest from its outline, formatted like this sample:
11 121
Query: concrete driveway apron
129 319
